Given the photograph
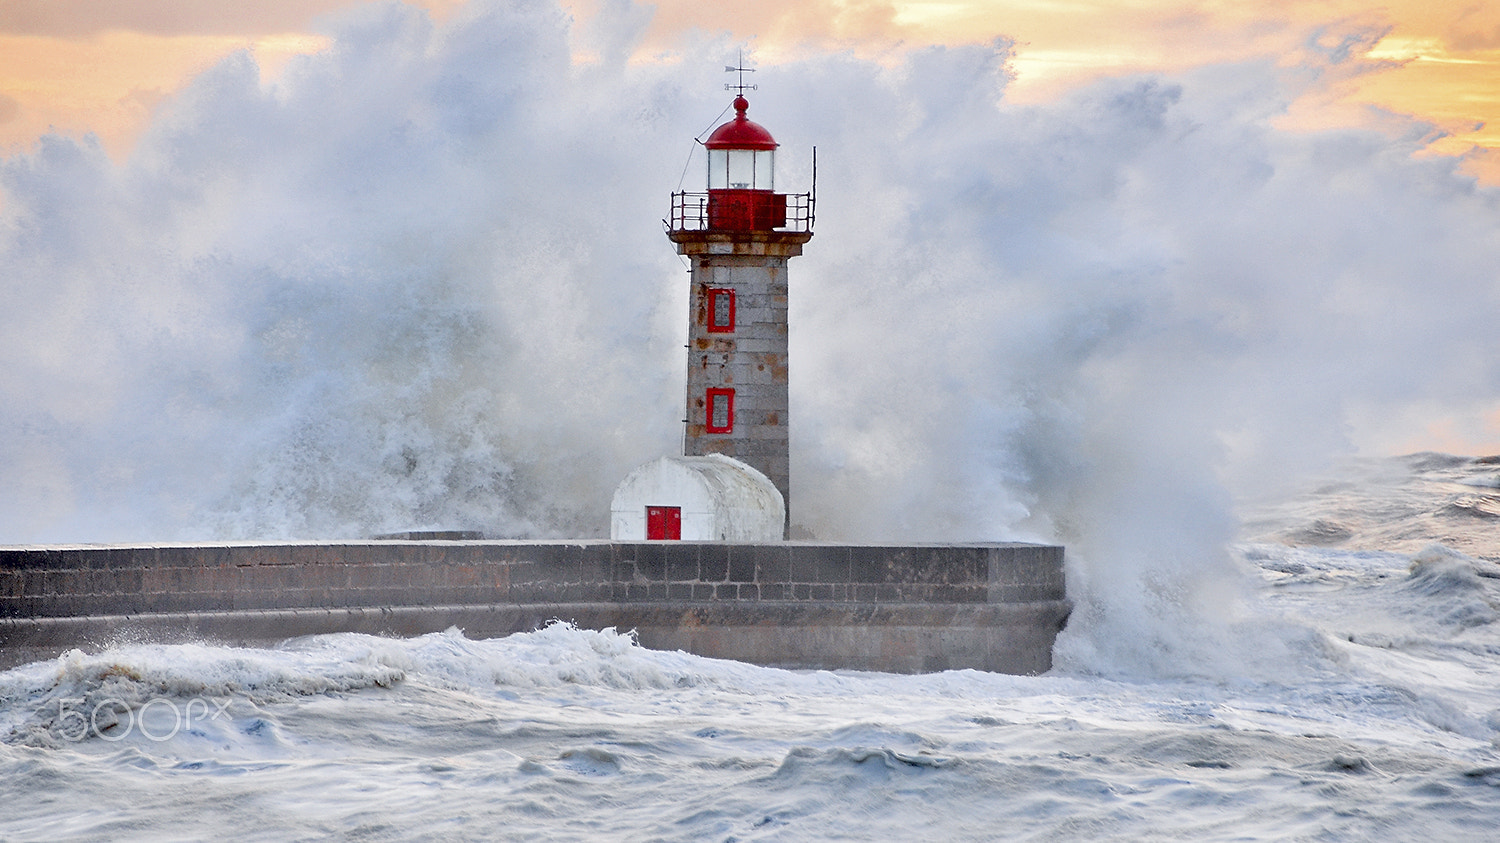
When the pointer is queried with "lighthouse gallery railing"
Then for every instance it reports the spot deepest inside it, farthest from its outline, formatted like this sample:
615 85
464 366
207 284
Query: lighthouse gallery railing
690 212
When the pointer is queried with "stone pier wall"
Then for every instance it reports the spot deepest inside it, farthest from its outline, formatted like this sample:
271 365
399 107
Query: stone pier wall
902 608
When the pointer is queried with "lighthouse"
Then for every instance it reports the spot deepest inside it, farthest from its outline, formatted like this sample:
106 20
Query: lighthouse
738 237
732 481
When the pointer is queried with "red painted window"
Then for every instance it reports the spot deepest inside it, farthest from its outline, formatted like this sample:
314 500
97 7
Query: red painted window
720 411
720 311
664 522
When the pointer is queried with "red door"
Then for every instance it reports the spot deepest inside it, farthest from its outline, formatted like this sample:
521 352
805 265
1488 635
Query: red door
664 522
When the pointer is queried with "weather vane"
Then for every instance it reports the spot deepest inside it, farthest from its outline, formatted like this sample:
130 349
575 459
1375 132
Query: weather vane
740 87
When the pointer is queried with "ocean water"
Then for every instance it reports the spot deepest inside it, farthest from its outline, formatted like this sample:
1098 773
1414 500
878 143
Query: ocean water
1370 712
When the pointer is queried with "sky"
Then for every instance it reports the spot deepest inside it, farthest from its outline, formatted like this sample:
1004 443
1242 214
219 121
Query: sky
83 66
1091 273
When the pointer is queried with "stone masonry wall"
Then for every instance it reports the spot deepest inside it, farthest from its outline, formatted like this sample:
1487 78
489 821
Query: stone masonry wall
751 360
81 581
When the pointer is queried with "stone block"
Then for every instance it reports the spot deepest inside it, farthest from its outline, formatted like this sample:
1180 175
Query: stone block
968 566
40 583
152 601
321 576
942 593
775 591
11 585
680 561
381 596
876 564
595 567
298 555
831 564
713 562
558 563
68 560
622 570
298 598
650 564
174 557
135 557
263 579
360 576
356 555
128 581
242 600
742 564
1021 593
590 592
773 563
494 575
749 311
517 571
153 580
71 584
432 576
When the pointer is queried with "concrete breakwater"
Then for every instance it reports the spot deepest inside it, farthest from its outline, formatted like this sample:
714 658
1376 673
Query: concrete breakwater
906 608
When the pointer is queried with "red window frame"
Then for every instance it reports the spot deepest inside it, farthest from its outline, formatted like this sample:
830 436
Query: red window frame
664 523
714 296
715 395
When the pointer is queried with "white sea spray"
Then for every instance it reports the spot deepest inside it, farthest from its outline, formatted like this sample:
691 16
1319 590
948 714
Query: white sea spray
412 284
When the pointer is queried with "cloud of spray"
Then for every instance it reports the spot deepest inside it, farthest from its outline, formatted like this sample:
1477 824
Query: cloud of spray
1100 319
420 282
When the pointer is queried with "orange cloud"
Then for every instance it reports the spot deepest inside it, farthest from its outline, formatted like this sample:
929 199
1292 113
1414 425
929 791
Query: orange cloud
1443 60
81 65
84 18
107 84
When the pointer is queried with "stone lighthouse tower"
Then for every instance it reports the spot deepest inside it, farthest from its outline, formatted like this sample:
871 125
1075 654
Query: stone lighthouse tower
739 236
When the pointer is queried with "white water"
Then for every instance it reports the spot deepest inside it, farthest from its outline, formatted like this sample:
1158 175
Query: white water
1376 716
418 281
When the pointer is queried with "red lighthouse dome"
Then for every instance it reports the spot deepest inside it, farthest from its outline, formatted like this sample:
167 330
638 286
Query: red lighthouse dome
741 133
742 175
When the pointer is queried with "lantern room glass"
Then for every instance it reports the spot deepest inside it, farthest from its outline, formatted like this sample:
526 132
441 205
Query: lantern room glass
742 169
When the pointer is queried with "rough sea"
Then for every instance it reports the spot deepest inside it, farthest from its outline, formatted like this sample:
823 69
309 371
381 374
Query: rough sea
1368 708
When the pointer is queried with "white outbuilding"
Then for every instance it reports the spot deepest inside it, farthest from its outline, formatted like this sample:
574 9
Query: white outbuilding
707 498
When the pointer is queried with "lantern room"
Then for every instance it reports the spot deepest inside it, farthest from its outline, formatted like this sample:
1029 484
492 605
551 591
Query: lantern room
741 154
742 176
741 198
